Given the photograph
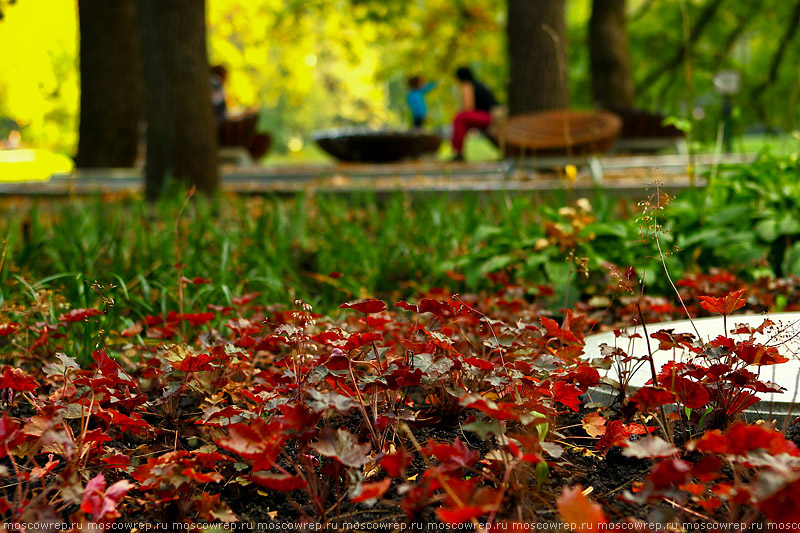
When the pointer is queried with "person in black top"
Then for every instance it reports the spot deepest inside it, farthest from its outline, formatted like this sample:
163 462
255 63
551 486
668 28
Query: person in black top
477 102
219 75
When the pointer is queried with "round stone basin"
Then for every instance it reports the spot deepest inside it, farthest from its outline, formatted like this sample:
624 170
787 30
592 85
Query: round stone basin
377 146
785 335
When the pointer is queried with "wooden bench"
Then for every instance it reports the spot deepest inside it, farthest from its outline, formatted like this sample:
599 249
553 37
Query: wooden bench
644 132
239 142
558 133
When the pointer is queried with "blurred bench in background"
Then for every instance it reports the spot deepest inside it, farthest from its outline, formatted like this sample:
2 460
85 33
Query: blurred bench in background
239 143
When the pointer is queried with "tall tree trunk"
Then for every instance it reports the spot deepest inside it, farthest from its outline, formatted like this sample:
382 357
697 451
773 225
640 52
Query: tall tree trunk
612 79
111 87
181 130
537 53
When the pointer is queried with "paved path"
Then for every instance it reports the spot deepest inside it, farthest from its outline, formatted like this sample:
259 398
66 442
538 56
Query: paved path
629 176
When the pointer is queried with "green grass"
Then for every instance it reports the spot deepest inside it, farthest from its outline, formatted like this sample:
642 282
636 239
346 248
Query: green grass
89 250
785 144
282 248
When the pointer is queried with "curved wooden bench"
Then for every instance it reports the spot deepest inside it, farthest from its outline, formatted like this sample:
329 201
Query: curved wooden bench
377 146
240 132
637 123
560 132
645 132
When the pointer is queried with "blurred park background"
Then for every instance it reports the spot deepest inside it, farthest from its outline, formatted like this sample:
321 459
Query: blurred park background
309 65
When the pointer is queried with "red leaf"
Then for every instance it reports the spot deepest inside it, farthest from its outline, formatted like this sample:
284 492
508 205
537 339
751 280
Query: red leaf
161 333
783 507
581 513
403 377
552 330
299 421
116 461
366 306
282 482
373 491
200 477
245 299
483 364
131 331
96 435
123 421
668 339
691 394
741 438
225 416
173 318
224 309
456 454
102 502
10 434
151 320
79 315
15 379
198 319
196 281
567 394
259 441
497 410
758 354
708 468
107 366
357 340
669 473
242 326
586 375
8 328
440 308
395 464
195 363
725 305
594 425
459 515
638 429
649 398
407 306
616 435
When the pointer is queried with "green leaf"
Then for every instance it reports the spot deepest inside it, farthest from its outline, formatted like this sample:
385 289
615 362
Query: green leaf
496 263
484 428
767 229
542 471
791 260
484 232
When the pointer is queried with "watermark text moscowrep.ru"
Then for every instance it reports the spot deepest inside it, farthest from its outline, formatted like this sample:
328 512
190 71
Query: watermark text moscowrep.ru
147 527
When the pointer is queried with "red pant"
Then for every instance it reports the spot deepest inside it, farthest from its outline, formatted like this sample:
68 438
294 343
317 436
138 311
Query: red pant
465 121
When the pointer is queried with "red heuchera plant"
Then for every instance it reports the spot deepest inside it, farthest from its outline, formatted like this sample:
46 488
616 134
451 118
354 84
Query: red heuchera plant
186 416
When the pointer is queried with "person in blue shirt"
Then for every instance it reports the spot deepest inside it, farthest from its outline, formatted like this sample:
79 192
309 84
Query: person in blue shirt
416 99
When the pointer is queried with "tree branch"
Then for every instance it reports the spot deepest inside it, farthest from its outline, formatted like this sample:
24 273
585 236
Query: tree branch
643 9
706 16
733 36
788 35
